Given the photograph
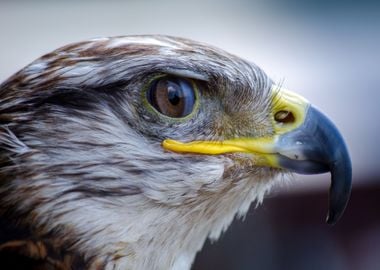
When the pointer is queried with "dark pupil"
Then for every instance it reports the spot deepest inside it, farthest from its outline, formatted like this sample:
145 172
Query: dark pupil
173 94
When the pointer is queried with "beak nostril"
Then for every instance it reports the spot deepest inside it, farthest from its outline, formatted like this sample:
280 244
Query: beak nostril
285 117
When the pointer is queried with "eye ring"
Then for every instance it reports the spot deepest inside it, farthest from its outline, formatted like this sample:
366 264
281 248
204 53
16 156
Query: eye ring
174 97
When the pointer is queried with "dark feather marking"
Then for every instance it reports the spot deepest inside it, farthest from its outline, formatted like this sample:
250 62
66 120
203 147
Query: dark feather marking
97 192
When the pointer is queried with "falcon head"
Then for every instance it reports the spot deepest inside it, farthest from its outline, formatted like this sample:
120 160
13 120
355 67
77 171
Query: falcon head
128 152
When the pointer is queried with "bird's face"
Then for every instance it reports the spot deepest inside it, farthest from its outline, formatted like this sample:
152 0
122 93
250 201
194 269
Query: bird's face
120 125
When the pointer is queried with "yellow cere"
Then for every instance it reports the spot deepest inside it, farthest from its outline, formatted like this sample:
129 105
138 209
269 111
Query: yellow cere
285 100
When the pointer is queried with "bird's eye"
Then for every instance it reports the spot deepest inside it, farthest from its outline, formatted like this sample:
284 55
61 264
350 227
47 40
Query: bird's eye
173 97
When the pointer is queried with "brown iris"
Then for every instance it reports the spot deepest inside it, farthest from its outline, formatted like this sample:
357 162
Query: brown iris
172 96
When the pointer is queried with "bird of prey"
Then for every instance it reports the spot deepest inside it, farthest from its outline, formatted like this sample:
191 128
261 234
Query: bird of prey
129 152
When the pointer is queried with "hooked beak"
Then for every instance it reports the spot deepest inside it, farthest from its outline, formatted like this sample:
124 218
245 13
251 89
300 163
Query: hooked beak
305 141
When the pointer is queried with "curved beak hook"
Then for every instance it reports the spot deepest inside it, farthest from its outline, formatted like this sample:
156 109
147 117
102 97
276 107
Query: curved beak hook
317 147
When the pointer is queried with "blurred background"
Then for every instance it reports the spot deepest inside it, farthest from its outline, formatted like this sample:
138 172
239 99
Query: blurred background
328 51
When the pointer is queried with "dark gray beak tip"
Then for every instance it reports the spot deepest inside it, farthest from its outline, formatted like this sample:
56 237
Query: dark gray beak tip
332 218
340 189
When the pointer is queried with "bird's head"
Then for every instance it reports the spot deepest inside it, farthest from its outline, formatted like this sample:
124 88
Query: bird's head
118 145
